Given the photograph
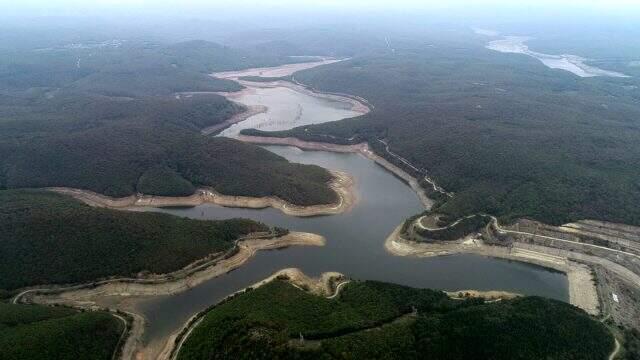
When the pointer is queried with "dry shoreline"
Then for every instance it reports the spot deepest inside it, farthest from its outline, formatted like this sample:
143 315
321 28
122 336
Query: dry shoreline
98 296
361 148
341 183
251 111
321 286
358 105
582 290
275 71
181 280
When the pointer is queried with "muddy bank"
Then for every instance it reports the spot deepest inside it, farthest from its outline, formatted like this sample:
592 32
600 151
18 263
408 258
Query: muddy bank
572 63
178 281
122 294
356 103
361 148
251 111
582 290
276 71
341 183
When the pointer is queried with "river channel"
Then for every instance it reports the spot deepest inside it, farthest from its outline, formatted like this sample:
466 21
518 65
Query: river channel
355 239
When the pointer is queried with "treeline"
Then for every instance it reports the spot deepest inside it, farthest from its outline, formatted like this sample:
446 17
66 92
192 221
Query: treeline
504 133
49 238
72 131
158 159
39 332
372 320
132 69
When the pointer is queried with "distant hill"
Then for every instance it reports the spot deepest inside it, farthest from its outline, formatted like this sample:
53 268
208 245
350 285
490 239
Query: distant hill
109 120
504 133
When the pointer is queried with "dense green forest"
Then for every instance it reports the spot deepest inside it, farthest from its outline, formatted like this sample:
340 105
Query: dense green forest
38 332
372 320
50 238
124 159
631 344
128 68
112 124
503 132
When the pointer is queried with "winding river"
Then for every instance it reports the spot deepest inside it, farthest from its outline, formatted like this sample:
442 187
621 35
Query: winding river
354 239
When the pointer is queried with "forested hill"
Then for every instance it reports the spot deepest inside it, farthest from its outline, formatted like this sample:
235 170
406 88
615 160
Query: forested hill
49 238
127 68
371 320
503 132
107 119
41 333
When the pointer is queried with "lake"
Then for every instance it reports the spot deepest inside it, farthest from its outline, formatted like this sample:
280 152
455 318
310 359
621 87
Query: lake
354 247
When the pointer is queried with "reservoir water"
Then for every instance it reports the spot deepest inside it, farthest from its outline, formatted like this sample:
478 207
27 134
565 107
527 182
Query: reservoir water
287 109
355 239
354 247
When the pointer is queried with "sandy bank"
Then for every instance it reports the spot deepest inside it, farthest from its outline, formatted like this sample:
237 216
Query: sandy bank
356 103
122 294
251 111
491 295
361 148
341 183
175 282
328 285
582 290
276 71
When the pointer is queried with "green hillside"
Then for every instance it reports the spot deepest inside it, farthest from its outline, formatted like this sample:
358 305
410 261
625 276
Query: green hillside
507 135
50 238
372 320
37 332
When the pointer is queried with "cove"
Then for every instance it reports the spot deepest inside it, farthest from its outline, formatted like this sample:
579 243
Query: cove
354 247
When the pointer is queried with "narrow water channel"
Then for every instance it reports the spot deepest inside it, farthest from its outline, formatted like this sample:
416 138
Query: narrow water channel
354 247
355 240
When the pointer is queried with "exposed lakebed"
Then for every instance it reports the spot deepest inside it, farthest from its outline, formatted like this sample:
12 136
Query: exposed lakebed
355 240
572 63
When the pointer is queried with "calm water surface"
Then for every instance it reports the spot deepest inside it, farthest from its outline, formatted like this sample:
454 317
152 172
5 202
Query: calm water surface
287 109
354 247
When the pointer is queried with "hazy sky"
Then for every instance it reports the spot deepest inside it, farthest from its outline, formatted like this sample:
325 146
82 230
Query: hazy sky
78 6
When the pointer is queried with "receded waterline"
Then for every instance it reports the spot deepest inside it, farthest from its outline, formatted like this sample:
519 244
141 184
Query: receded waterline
354 247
